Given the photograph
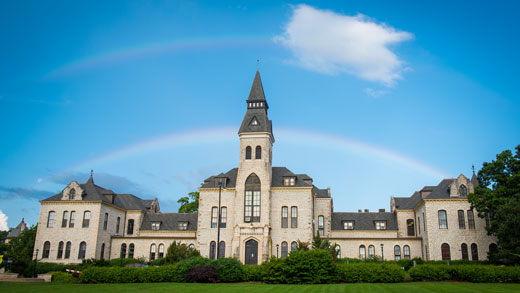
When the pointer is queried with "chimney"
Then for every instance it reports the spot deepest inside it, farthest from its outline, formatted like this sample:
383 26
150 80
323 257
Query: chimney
328 190
366 210
359 211
382 210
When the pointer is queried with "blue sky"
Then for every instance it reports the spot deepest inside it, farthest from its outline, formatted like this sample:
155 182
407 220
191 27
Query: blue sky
371 98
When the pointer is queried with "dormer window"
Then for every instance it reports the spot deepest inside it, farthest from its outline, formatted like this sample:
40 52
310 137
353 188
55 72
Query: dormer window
380 225
254 122
348 225
463 191
289 181
72 193
156 226
182 226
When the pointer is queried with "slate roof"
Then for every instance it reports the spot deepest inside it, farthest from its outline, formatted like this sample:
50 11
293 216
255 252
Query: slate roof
169 221
93 192
18 230
321 193
408 203
259 113
440 191
364 221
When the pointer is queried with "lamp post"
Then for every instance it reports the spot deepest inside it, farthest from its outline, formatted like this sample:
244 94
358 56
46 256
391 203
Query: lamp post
277 246
382 253
219 182
35 259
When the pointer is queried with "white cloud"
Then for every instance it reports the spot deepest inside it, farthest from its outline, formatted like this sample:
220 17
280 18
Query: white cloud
375 93
3 222
331 43
39 180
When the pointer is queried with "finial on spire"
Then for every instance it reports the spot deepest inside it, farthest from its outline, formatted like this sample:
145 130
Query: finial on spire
91 172
257 64
90 179
473 168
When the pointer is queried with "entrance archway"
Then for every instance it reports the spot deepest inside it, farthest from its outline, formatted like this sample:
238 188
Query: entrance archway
251 252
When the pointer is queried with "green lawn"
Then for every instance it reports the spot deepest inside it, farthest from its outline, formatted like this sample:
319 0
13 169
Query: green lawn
249 287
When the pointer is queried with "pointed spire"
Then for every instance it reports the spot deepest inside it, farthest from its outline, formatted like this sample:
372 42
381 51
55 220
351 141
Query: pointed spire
91 179
257 90
474 178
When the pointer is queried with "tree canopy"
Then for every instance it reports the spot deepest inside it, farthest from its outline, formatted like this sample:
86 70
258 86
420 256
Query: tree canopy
190 203
497 197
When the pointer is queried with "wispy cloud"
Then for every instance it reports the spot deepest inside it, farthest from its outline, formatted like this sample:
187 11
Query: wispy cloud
11 192
328 42
3 221
375 93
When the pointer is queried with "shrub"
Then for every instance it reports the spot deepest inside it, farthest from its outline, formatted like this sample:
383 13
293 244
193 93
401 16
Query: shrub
184 266
62 277
367 272
430 272
158 262
228 269
116 262
178 251
202 274
252 273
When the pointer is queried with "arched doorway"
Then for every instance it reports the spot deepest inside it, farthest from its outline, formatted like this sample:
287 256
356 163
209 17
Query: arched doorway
251 252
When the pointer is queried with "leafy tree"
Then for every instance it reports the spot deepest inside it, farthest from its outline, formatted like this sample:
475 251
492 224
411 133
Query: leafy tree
178 251
497 197
190 203
20 250
324 244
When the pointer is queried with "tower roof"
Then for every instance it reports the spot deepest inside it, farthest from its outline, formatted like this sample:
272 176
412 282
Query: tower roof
255 119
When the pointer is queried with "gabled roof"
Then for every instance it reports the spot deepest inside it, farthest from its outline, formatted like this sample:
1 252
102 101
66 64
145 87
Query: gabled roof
364 221
18 230
442 190
170 221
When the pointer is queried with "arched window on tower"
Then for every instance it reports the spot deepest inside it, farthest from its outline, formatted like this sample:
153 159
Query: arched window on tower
252 199
248 153
258 152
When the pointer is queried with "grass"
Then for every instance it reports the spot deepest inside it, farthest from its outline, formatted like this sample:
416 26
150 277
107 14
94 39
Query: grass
254 287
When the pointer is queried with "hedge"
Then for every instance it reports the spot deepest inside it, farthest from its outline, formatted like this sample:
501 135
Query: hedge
477 273
252 273
369 273
229 269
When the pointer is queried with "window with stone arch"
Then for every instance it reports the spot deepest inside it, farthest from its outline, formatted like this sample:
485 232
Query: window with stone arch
294 246
463 190
248 153
72 193
371 251
406 252
252 199
258 152
285 249
362 252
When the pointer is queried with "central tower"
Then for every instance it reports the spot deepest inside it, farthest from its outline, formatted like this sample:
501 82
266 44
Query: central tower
253 185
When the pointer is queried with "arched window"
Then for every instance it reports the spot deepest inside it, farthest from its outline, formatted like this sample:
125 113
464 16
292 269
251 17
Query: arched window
464 251
258 152
338 251
46 249
82 250
445 251
60 250
463 191
248 153
411 227
285 249
371 251
397 252
223 217
493 248
471 220
105 222
406 252
153 250
65 219
321 225
118 223
222 249
462 221
362 252
131 249
443 220
86 219
67 249
50 219
294 217
130 229
161 250
294 246
285 217
214 217
72 219
123 251
102 254
191 246
212 249
72 193
474 251
252 199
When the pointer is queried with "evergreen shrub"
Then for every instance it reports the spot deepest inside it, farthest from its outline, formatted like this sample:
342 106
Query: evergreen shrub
228 269
369 273
252 273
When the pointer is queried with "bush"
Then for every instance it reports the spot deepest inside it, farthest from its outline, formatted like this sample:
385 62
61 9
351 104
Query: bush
184 266
430 272
252 273
301 267
229 269
178 251
116 262
369 273
62 277
158 262
202 274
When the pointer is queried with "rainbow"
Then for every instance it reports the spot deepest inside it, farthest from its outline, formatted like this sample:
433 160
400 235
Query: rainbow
229 134
154 49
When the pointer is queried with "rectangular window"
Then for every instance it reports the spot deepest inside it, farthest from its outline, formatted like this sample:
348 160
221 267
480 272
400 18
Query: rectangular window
72 219
443 219
256 206
214 217
411 228
130 228
292 181
65 219
285 217
105 222
286 181
462 220
156 226
118 223
380 225
50 219
86 219
182 226
248 206
321 225
419 224
294 217
471 220
424 223
348 225
223 217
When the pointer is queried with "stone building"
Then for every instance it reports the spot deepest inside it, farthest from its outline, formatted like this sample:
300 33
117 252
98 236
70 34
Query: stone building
264 212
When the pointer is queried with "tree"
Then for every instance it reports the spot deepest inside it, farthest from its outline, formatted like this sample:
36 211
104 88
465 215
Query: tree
188 206
497 197
324 244
178 251
20 250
